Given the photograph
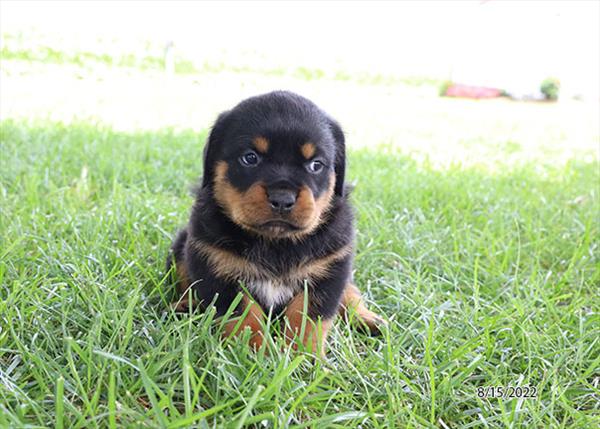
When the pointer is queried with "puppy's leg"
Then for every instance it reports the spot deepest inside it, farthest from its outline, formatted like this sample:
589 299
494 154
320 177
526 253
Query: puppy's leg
183 304
315 331
322 303
182 280
221 292
352 300
253 317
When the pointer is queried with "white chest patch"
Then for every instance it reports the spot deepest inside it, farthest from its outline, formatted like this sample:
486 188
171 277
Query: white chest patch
272 293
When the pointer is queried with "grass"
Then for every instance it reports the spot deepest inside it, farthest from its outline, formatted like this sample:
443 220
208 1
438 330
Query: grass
148 57
488 279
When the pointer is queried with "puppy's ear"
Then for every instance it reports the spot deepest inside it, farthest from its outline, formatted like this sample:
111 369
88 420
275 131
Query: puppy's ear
212 148
340 156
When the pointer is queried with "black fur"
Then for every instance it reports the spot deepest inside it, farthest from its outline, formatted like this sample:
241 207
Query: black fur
287 120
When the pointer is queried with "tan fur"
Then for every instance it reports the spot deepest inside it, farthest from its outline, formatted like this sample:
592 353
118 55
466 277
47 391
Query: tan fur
309 211
315 332
225 264
319 268
252 320
352 299
308 150
261 144
183 281
244 208
230 266
251 208
183 285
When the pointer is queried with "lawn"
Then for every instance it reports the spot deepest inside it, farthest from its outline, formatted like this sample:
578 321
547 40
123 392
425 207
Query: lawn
488 278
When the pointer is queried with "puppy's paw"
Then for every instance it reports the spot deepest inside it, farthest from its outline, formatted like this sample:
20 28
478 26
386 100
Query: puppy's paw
368 322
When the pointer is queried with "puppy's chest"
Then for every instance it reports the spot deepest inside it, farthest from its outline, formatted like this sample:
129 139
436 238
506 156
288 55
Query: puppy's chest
273 293
273 276
274 280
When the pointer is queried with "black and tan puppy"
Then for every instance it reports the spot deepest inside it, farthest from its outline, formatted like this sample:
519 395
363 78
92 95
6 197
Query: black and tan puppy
272 216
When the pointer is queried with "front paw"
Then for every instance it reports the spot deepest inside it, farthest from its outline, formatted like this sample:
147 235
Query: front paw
369 322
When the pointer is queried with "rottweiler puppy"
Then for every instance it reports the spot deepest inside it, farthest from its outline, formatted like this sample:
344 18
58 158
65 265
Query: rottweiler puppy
272 221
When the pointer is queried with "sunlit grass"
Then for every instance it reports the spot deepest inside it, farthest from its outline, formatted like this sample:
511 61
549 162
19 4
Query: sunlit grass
20 47
487 280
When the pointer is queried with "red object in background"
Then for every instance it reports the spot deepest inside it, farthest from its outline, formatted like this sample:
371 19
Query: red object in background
468 91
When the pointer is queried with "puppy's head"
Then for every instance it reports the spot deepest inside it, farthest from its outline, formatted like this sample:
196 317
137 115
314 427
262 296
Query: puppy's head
274 163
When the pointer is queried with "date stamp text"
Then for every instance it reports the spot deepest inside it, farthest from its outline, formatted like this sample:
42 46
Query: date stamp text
507 392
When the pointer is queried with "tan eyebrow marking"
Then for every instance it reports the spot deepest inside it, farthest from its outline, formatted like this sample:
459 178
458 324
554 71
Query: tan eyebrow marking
261 144
308 150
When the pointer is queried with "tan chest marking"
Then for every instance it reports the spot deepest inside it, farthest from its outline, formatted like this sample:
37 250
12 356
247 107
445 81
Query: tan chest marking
266 287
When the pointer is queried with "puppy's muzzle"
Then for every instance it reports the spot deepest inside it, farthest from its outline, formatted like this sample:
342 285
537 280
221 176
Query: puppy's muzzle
282 201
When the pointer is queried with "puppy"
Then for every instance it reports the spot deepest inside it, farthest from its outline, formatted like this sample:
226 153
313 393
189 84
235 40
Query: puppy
272 221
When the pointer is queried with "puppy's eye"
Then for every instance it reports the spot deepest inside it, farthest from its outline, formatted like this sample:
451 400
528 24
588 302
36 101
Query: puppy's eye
315 166
250 159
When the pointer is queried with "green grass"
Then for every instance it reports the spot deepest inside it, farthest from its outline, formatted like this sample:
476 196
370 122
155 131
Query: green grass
20 47
183 66
488 279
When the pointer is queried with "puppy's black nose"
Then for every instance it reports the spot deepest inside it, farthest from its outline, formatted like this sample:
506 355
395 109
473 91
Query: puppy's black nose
282 200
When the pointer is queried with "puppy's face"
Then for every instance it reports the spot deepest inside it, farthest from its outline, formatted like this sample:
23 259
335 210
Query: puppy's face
273 163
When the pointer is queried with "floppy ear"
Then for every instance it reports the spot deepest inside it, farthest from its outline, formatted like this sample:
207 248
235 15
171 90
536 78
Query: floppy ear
340 156
211 149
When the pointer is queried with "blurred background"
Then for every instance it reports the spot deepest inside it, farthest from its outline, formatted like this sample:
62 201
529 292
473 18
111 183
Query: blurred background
471 82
